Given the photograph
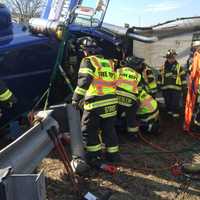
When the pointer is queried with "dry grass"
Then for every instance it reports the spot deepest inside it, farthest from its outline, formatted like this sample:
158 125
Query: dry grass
131 182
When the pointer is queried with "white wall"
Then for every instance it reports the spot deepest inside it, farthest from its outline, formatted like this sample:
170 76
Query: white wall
153 53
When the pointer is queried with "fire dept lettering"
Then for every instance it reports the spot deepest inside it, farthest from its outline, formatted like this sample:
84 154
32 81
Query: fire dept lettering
106 74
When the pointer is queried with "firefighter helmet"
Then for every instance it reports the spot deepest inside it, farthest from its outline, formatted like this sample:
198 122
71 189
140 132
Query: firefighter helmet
196 43
170 53
133 62
89 44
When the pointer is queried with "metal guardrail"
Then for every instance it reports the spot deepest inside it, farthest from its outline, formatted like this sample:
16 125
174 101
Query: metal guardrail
26 152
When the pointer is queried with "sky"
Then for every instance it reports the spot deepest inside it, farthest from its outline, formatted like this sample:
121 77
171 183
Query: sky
149 12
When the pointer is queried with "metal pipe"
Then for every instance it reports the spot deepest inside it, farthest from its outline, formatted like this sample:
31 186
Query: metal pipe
25 153
75 132
121 31
142 38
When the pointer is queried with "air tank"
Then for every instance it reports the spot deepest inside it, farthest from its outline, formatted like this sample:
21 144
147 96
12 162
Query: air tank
46 27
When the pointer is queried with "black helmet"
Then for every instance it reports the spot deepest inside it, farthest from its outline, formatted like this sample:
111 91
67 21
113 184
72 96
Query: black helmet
133 62
170 53
89 44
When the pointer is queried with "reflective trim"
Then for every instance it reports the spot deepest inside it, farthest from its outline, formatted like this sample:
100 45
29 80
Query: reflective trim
152 85
151 76
184 82
133 130
86 71
182 73
112 114
80 91
196 123
126 94
6 95
171 87
153 116
175 115
93 148
124 104
112 149
101 103
169 74
153 91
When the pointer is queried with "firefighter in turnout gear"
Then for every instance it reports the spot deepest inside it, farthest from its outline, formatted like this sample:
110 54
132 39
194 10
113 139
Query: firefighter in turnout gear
96 91
149 80
7 98
148 113
128 87
172 81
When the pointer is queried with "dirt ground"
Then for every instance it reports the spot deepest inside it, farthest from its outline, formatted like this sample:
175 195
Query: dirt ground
133 180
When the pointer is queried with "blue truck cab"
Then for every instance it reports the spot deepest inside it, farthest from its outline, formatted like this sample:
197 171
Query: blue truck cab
26 61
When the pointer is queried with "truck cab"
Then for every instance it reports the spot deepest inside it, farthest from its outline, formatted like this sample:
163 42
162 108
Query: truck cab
26 61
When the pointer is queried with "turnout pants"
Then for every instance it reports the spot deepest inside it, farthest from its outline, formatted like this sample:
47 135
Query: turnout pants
130 117
92 123
172 101
149 123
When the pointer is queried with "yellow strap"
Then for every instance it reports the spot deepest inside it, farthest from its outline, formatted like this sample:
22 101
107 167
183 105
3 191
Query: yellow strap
80 91
112 149
6 95
178 78
86 71
93 148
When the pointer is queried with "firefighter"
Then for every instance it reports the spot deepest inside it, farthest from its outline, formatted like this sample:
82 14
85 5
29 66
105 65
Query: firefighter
7 98
128 87
172 81
96 91
148 113
149 80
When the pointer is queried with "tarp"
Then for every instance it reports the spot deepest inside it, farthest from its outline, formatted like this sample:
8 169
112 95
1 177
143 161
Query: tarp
193 86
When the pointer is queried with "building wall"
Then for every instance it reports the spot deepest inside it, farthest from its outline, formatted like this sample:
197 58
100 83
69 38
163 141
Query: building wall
153 53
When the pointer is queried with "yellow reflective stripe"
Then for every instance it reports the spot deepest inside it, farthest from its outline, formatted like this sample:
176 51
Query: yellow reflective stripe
125 94
86 71
94 148
6 95
101 103
178 78
124 104
112 149
154 116
80 91
152 85
133 130
171 87
109 114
